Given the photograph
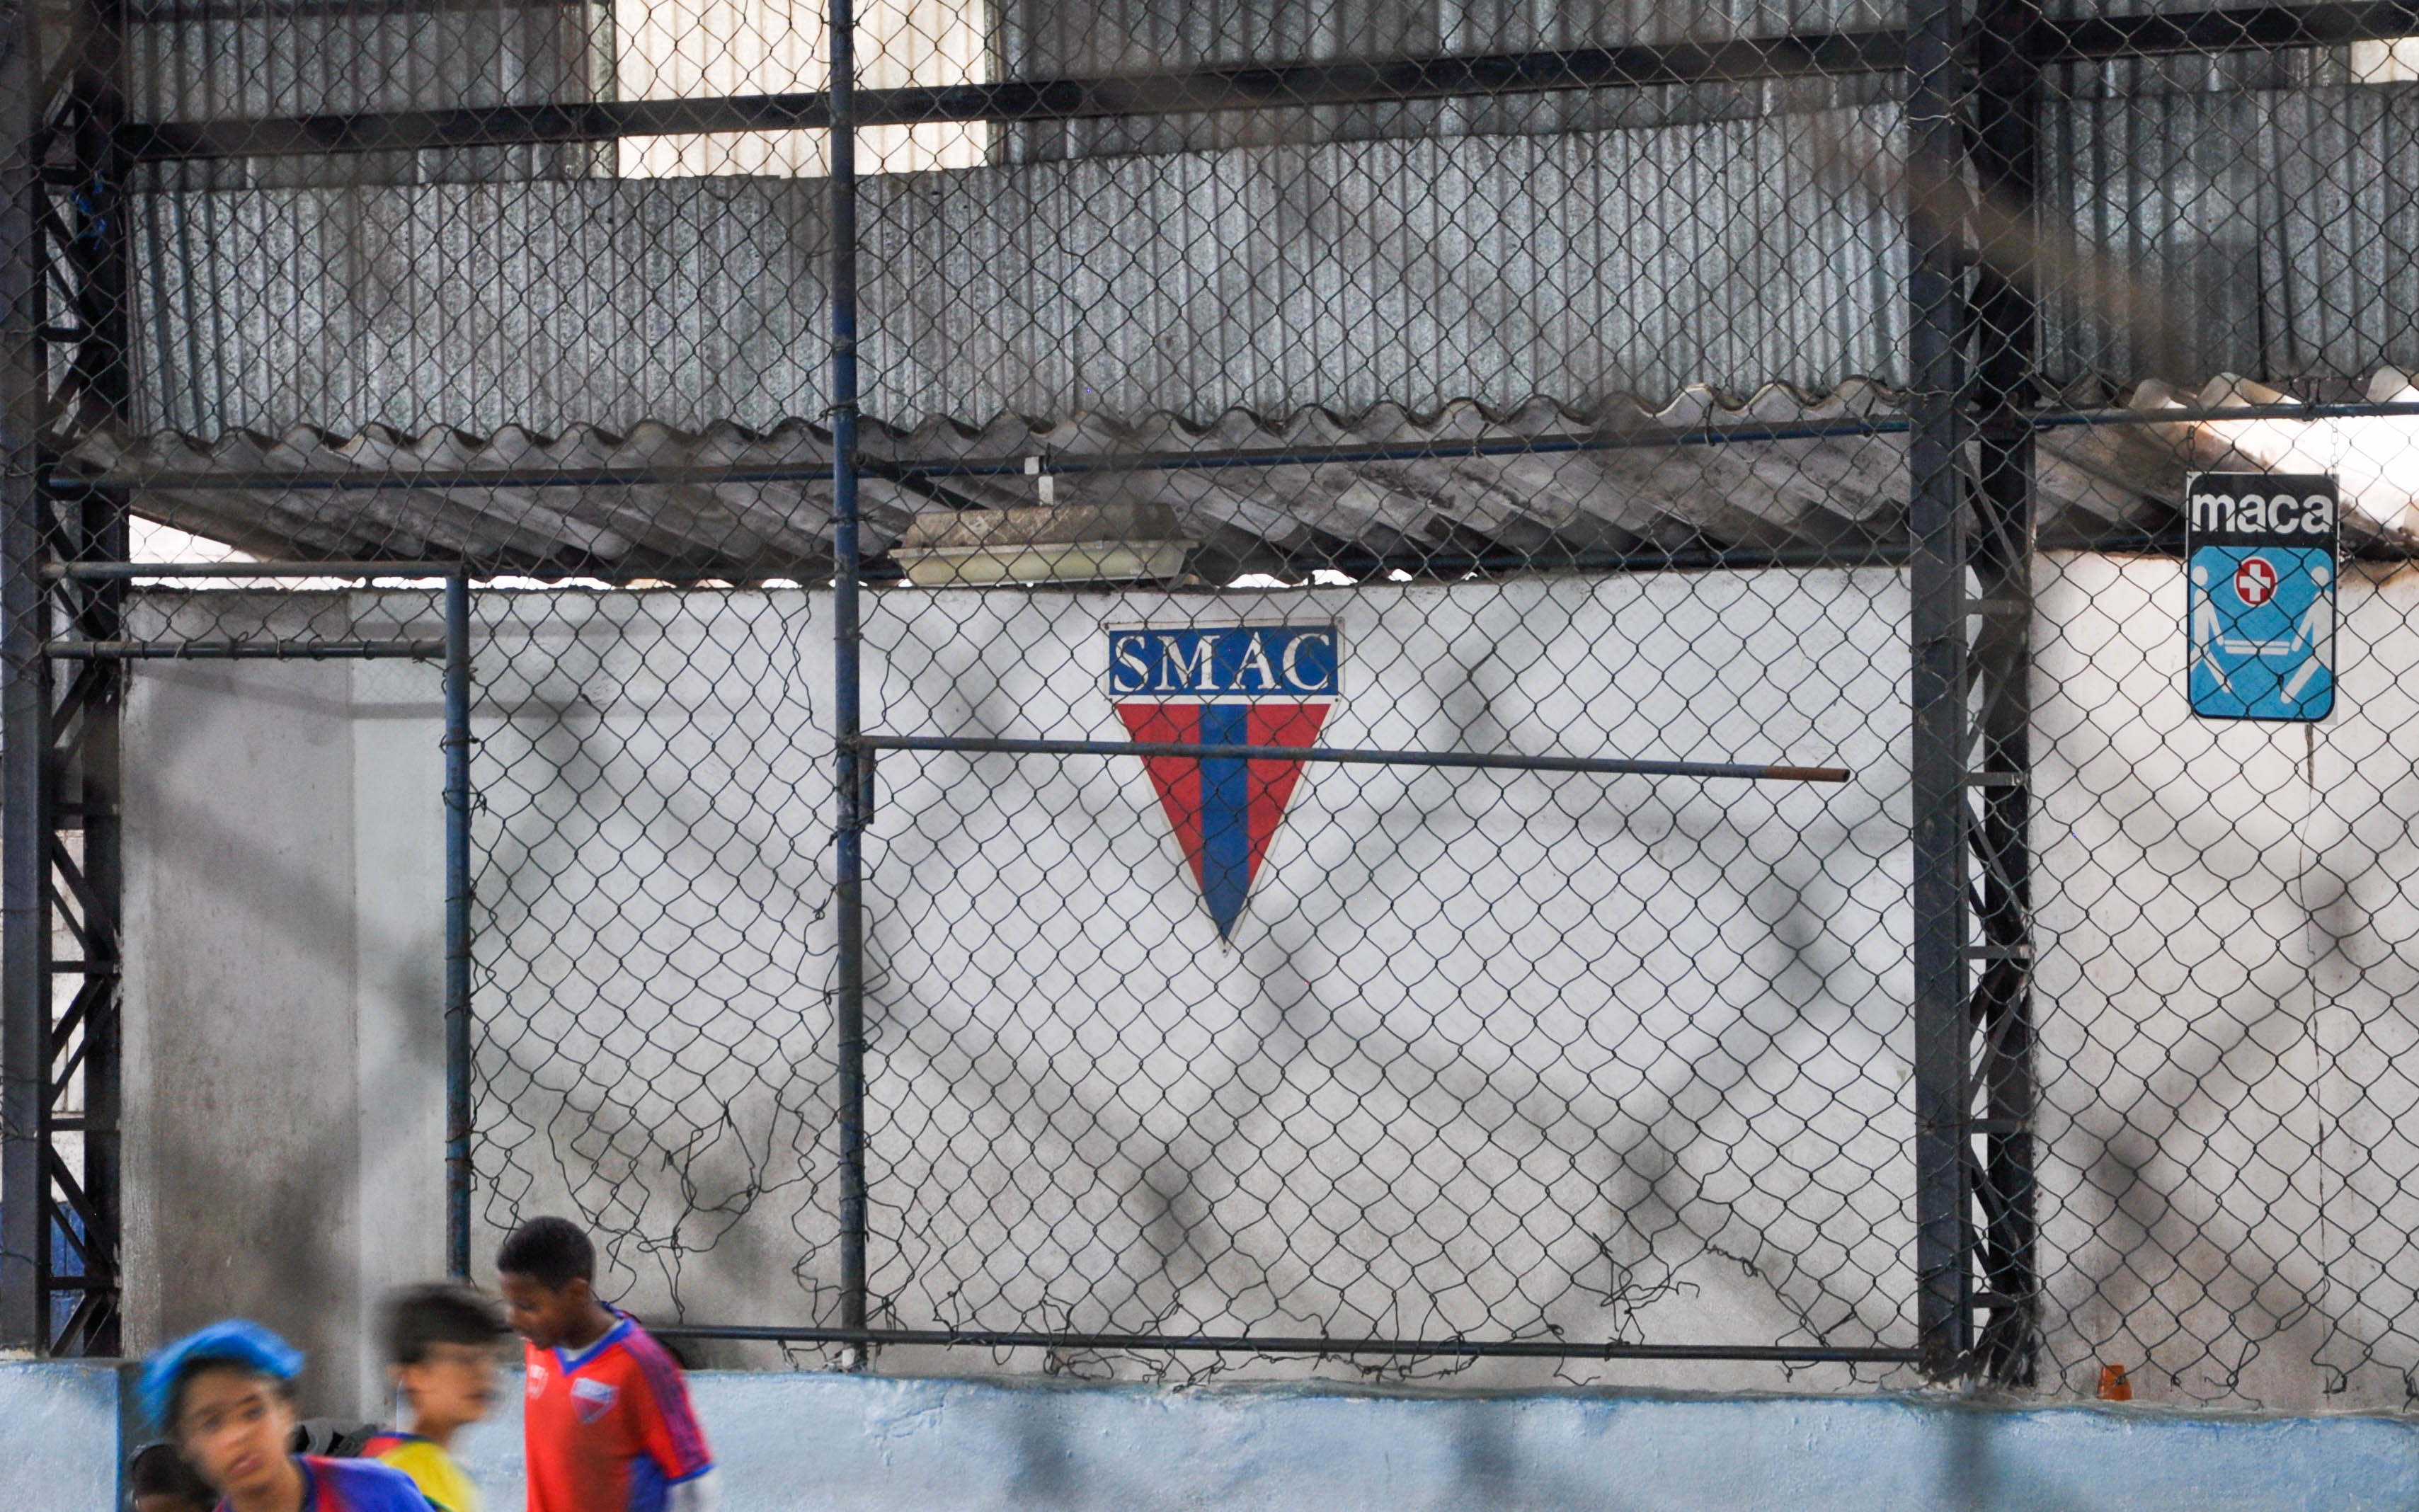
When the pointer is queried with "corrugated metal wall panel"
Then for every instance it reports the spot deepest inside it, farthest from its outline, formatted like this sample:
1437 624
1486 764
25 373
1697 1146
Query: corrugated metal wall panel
241 68
1051 38
215 61
2279 226
1582 266
1048 39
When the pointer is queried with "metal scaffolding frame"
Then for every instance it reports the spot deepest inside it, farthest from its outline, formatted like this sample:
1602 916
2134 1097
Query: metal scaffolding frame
1975 343
68 372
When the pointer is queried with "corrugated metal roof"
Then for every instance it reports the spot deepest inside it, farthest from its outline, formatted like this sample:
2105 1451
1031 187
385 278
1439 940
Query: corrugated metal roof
727 502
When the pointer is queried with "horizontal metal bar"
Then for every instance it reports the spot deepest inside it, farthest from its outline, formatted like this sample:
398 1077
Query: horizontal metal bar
110 571
186 12
1264 88
1622 440
243 650
1603 766
819 470
1182 91
1246 1344
1843 555
814 471
2203 414
2247 29
604 572
904 468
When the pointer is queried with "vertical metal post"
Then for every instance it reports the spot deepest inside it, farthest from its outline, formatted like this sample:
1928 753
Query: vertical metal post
24 740
82 1097
1936 586
81 1094
458 925
847 725
2007 332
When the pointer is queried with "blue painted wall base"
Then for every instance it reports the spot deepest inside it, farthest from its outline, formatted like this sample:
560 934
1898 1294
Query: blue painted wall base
821 1441
60 1438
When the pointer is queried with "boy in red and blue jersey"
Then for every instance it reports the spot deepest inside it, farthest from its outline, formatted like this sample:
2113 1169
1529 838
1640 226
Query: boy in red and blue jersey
607 1425
225 1394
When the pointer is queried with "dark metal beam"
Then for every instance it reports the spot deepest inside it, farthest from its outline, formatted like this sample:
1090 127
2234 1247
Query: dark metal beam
190 12
1641 438
24 743
1937 590
2243 29
103 571
853 764
2006 327
233 650
1282 87
1182 91
83 1095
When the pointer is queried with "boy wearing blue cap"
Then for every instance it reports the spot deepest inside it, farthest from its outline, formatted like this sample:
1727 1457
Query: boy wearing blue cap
225 1395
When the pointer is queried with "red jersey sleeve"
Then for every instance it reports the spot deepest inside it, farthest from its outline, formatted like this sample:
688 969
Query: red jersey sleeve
666 1425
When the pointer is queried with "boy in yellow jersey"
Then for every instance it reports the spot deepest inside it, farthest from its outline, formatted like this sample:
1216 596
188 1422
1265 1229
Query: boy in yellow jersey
440 1343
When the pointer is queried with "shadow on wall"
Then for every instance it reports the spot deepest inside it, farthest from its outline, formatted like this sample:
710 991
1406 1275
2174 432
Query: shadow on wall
244 1180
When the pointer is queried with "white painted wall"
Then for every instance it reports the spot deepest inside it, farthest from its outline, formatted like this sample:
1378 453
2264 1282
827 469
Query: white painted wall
2228 940
1544 1052
284 1063
2226 934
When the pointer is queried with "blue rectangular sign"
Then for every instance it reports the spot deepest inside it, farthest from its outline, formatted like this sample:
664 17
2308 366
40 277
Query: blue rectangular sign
2260 551
1192 663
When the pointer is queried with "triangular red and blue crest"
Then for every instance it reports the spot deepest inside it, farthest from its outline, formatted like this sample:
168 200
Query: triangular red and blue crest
1224 811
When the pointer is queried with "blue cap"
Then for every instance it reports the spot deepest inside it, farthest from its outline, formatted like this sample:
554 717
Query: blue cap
236 1341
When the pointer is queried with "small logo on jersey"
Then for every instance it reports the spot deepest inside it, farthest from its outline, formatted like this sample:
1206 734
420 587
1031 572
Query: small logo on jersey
537 1379
591 1398
1243 685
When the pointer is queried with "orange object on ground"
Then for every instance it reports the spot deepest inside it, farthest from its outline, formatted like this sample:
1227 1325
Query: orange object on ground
2114 1385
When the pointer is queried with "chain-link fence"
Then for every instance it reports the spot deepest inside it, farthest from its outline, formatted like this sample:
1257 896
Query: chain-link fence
1315 687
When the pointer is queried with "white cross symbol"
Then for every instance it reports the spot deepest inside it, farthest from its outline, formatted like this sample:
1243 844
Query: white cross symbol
2254 581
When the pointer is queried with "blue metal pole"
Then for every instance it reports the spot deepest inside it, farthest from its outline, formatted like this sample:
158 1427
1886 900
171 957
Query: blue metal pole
849 861
458 925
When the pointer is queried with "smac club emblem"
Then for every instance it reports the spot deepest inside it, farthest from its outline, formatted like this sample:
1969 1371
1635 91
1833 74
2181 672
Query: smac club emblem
591 1398
1243 685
